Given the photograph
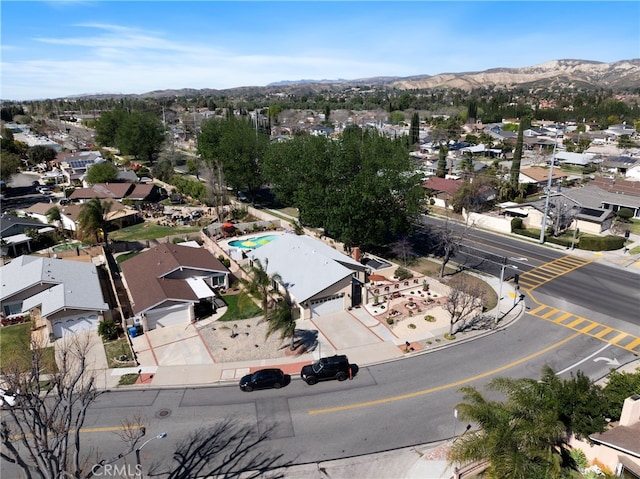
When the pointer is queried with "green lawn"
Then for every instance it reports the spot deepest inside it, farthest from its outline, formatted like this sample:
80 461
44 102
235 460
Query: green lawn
236 311
119 354
15 348
634 226
147 230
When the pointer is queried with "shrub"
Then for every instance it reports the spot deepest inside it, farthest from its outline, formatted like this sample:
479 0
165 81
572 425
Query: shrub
625 214
108 330
411 326
389 320
403 273
601 243
429 318
516 224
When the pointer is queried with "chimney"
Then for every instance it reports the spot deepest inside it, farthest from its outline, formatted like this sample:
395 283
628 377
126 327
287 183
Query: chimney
356 254
630 411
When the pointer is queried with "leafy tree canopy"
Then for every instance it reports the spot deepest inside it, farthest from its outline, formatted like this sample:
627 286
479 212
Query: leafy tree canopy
103 172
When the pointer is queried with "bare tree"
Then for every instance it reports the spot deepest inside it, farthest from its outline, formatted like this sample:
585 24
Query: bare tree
403 249
465 300
447 239
562 212
217 187
41 433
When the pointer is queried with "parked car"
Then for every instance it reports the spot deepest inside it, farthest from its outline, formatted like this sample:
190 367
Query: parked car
263 379
324 369
65 201
43 190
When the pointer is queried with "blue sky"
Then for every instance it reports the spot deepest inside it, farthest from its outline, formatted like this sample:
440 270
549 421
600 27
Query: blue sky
53 49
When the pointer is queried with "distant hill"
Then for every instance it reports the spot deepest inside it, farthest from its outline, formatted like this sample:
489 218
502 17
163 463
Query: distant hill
555 73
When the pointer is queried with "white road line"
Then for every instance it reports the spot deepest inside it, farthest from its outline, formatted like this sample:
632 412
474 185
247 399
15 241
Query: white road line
583 360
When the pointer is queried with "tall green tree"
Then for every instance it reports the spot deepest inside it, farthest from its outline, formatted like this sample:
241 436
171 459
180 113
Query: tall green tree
140 134
9 164
525 123
441 167
236 146
107 126
41 154
414 132
93 218
103 172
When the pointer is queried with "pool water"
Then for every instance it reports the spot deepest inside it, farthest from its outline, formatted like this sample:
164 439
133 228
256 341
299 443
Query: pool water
252 243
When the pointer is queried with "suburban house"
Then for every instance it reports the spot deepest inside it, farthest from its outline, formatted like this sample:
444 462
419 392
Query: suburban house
13 229
65 297
619 165
74 165
117 191
119 215
173 284
442 190
576 207
318 279
618 448
540 176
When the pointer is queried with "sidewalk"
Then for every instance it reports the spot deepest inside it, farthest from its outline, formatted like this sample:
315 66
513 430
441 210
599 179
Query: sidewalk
369 346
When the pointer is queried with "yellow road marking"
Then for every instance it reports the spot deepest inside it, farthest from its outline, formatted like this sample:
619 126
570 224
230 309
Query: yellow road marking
444 386
538 309
618 338
586 329
604 332
631 346
562 318
553 312
573 324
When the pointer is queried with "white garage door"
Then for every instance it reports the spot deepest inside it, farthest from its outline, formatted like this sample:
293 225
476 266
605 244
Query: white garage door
168 316
74 325
328 305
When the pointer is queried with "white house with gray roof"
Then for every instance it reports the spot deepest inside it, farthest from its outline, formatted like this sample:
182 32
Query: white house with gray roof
65 296
318 279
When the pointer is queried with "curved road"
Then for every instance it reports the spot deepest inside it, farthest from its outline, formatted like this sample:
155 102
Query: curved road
405 402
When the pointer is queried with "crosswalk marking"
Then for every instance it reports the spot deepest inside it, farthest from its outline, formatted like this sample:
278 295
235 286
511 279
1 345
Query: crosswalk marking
589 327
550 271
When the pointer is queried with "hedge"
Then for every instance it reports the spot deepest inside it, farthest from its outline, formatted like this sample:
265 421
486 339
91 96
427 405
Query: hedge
589 243
601 243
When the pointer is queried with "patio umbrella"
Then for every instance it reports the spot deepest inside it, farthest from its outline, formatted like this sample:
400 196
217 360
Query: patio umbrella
228 225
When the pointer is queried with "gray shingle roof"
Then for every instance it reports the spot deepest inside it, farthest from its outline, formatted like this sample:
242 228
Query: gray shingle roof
74 285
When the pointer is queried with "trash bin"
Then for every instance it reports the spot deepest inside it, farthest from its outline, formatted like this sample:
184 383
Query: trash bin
133 331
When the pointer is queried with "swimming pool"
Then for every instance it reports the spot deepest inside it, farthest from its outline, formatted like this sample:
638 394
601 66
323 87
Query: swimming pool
252 243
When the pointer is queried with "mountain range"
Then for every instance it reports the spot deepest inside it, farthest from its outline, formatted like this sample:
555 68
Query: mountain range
620 75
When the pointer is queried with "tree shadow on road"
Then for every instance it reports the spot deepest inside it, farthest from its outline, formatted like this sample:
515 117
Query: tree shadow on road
225 450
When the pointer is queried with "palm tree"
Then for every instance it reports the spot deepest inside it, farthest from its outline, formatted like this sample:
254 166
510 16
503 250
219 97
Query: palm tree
280 318
520 438
260 286
260 283
92 218
54 215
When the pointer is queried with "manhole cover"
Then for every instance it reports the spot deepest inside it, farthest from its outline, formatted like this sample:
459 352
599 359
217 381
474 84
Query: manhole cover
163 413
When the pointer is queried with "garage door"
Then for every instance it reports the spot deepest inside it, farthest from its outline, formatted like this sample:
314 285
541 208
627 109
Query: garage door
328 305
77 324
161 318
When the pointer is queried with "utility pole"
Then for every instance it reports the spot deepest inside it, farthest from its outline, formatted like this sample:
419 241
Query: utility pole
543 226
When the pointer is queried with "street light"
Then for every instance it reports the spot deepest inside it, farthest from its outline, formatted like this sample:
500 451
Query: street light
502 268
162 435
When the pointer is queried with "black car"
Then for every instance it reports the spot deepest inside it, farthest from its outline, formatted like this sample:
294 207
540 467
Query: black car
332 367
263 379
